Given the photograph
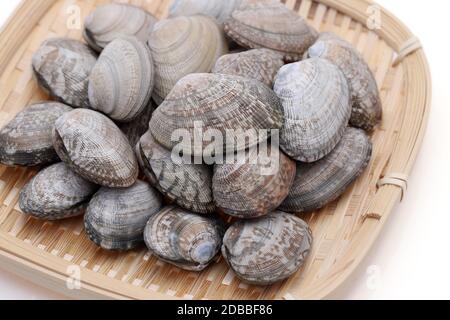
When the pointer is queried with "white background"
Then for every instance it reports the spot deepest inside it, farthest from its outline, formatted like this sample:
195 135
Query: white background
411 259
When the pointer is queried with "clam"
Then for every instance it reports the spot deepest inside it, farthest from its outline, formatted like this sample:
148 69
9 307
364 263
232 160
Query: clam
121 82
56 193
111 21
181 46
367 108
184 239
269 24
316 101
269 249
94 147
220 105
258 64
320 183
135 129
27 139
254 186
188 184
115 218
218 9
62 68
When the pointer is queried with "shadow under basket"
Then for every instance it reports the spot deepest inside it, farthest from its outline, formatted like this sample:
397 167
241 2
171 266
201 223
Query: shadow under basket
50 254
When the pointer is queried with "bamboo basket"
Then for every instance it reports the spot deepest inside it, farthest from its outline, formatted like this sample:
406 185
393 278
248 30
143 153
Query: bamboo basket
51 253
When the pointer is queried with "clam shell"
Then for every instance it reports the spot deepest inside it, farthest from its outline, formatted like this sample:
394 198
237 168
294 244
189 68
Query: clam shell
62 68
27 139
269 24
189 185
219 103
258 64
268 249
94 147
111 21
367 108
184 239
56 193
218 9
255 186
316 101
320 183
181 46
121 82
116 218
135 129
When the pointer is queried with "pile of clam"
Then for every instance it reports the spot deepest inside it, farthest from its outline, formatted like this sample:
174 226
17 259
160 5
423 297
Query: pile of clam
106 146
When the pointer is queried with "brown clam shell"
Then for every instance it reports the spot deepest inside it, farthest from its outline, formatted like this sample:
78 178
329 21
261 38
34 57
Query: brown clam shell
258 64
255 186
269 249
270 24
221 104
367 107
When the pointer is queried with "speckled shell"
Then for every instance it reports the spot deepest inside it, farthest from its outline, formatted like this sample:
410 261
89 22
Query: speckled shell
184 239
258 64
116 218
62 68
27 139
94 147
218 9
189 185
181 46
269 24
111 21
254 186
121 82
56 193
135 129
269 249
367 108
320 183
217 102
316 101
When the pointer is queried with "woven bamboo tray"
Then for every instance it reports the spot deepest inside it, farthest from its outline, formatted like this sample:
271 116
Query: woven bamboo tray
48 253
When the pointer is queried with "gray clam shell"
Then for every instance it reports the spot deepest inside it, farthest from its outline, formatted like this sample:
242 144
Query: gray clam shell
94 147
320 183
218 103
367 108
269 249
62 67
189 185
121 82
316 102
56 193
184 239
115 218
111 21
181 46
27 139
254 186
258 64
270 24
218 9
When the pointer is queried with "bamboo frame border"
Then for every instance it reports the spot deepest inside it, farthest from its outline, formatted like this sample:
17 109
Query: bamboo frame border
28 264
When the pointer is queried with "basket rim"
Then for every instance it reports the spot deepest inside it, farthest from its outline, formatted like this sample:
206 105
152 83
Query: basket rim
26 262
